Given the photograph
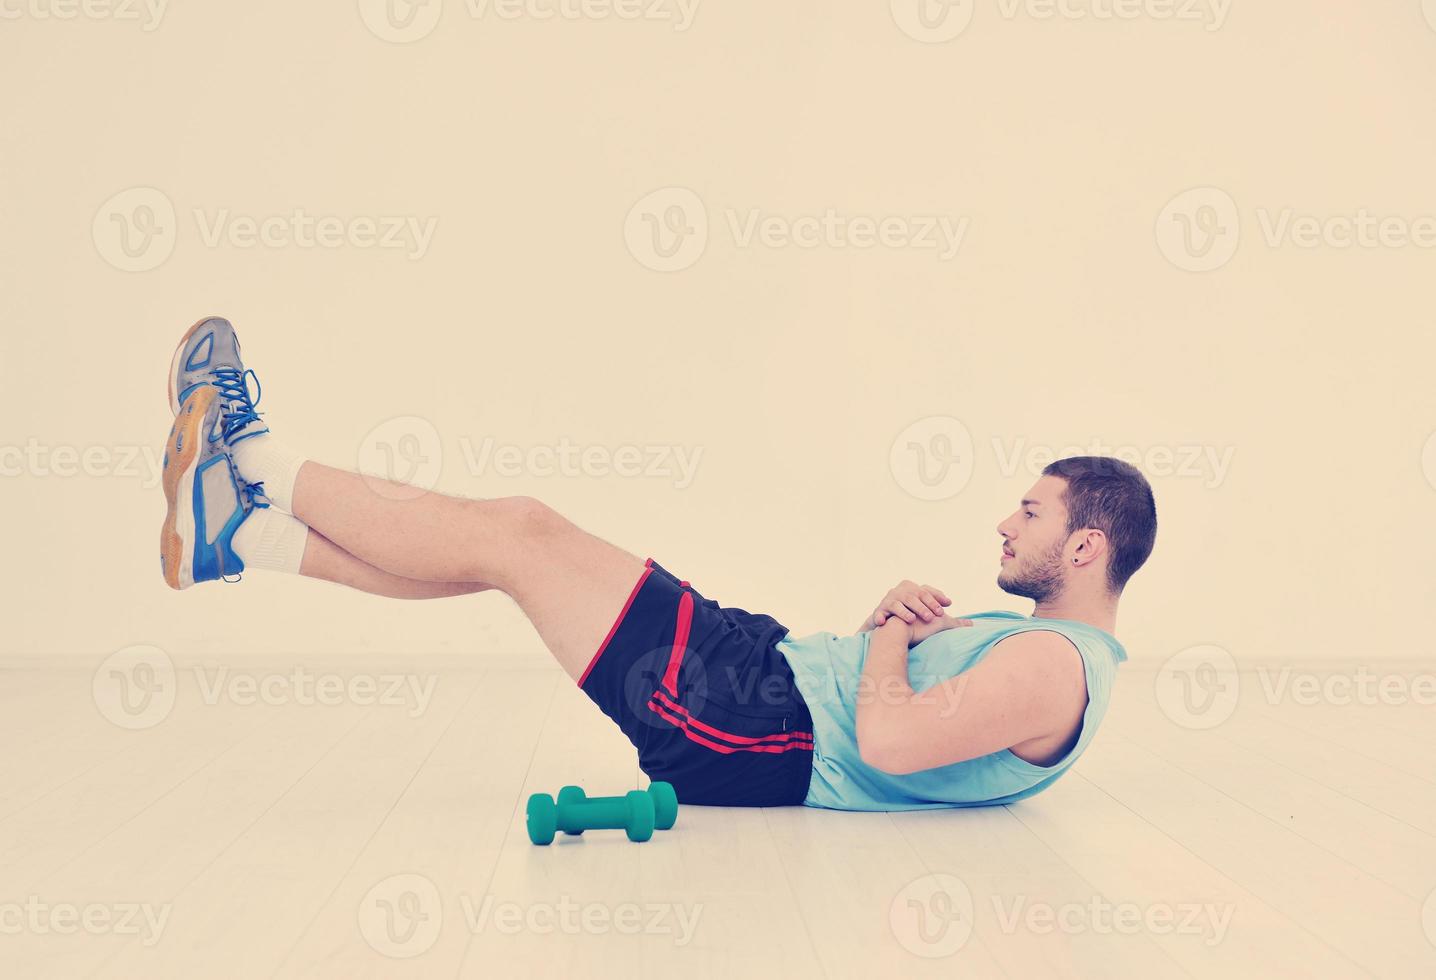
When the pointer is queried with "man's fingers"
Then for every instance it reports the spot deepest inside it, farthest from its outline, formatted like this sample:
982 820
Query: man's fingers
915 602
931 602
941 595
901 611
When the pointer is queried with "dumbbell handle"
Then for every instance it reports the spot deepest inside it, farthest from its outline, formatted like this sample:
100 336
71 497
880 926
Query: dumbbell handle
594 813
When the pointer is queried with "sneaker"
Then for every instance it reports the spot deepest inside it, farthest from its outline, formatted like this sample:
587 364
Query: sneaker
208 355
207 499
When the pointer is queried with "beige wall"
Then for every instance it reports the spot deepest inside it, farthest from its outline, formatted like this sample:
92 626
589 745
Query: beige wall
1069 315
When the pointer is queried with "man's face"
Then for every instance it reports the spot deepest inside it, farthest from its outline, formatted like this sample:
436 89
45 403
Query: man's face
1032 540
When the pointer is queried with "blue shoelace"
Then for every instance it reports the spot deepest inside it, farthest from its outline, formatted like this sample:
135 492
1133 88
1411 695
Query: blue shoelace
252 491
249 492
233 386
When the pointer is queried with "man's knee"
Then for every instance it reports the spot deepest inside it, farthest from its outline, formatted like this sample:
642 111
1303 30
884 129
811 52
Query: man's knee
529 518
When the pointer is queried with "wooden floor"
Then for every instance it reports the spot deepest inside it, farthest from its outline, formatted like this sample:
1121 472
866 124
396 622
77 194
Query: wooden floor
232 836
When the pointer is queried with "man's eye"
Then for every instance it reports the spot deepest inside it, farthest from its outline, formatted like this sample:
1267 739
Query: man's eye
1030 514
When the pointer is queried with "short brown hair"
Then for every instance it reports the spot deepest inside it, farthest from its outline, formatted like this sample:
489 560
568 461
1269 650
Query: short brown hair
1114 497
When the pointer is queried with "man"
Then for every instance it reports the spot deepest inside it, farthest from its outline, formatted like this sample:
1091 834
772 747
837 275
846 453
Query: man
917 709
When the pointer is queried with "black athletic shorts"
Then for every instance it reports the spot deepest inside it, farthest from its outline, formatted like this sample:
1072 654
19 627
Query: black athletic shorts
703 693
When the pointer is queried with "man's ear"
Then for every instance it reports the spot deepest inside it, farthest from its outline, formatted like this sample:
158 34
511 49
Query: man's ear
1086 546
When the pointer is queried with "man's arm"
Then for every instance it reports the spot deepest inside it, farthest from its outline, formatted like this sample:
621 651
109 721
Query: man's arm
1031 689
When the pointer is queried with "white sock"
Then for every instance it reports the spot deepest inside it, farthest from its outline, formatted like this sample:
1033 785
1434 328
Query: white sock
263 459
271 540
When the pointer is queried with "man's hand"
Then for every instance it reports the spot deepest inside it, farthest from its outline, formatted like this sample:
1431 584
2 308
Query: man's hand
910 602
922 631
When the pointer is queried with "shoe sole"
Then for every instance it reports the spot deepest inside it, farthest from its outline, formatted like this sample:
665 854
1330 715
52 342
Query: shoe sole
182 452
175 361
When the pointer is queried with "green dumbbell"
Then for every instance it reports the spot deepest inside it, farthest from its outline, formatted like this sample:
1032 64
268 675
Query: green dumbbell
573 813
665 806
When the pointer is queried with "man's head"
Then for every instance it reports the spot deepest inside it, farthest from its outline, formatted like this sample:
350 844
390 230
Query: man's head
1088 519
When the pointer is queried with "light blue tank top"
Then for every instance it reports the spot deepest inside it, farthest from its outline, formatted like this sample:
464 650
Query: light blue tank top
828 668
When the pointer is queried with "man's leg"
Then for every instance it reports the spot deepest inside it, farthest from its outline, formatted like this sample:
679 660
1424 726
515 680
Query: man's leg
323 559
570 584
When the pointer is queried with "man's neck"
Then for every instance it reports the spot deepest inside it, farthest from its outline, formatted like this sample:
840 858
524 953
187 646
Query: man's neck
1100 612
